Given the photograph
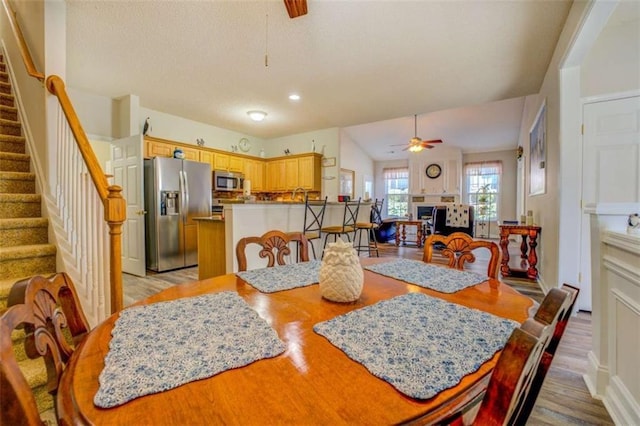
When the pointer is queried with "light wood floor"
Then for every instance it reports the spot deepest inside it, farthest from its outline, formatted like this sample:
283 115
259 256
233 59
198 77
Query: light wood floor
564 398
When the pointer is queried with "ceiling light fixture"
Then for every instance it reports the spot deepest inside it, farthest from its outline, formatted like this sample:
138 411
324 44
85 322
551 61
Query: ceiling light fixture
294 97
257 115
416 148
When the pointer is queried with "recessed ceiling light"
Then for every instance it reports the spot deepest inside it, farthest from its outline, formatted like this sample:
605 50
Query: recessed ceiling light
257 115
294 97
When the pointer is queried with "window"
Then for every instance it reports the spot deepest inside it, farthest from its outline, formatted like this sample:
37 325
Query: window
483 188
396 187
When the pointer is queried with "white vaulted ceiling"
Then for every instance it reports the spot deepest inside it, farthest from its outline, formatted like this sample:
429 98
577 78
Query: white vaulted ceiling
364 66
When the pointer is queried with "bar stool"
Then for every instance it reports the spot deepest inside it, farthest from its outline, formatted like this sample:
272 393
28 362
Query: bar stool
348 223
370 228
313 218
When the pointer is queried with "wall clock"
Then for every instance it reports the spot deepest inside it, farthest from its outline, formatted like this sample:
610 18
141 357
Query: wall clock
433 171
244 145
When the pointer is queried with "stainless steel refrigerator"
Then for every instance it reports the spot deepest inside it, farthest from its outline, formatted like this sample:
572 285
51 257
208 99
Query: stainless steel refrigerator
175 191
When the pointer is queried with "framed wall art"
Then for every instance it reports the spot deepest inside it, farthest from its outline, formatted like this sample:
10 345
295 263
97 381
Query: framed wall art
538 153
346 182
328 161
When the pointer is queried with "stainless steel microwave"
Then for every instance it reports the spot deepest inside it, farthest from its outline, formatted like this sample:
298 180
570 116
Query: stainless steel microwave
227 181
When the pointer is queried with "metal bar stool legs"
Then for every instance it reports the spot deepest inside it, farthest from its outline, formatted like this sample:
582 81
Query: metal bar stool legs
371 243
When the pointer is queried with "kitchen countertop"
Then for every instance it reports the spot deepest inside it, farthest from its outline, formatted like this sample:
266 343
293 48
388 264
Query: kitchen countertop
210 218
334 203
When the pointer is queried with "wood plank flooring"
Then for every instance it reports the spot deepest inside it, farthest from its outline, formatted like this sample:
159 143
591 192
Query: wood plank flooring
564 398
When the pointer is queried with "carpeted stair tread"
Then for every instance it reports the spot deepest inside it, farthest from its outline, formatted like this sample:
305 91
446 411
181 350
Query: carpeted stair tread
24 231
24 222
8 113
9 143
27 251
8 100
20 205
14 162
9 127
17 175
17 183
32 259
5 87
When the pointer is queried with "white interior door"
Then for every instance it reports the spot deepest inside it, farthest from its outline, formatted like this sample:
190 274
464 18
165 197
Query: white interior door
127 166
610 168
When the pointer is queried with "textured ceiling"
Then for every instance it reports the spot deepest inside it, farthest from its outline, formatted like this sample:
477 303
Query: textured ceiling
365 66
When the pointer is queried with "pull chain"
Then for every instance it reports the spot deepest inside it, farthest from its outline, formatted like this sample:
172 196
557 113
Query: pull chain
266 41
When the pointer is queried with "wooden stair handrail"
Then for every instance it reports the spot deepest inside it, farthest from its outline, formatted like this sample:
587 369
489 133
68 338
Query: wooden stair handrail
111 195
24 50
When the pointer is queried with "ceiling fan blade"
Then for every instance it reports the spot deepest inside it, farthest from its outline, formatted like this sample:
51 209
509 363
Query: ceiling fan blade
428 146
433 141
296 8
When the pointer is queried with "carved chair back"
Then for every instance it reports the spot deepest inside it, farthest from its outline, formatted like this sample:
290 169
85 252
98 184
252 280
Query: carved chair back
49 313
275 248
459 247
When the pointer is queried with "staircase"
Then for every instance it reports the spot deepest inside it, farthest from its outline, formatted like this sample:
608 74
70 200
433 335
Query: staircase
24 246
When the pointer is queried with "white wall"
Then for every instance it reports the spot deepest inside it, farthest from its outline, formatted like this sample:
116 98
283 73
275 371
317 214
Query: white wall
171 127
613 63
352 157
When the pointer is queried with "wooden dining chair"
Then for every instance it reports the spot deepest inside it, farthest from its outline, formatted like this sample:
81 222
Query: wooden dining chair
509 382
313 219
48 312
555 310
275 248
459 247
508 401
375 220
348 226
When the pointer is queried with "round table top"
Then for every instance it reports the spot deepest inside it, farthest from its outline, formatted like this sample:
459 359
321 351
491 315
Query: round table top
312 382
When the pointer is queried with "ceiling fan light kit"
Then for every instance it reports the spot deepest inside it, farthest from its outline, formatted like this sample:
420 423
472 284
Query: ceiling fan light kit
416 144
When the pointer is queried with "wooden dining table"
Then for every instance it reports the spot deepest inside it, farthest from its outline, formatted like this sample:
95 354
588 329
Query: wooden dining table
312 382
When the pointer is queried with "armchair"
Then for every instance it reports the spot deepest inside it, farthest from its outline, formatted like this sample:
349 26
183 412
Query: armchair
439 222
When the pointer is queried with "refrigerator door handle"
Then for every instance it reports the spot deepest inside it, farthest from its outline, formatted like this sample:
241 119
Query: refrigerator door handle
185 194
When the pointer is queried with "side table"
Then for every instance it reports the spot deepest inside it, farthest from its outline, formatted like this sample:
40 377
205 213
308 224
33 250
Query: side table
528 251
401 231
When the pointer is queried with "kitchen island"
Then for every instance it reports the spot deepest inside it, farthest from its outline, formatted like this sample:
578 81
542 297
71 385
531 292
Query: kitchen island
254 219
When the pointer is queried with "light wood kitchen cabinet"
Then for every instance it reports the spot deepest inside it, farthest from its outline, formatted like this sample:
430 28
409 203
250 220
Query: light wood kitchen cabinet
192 154
291 173
155 148
276 175
220 161
309 173
285 174
236 164
158 149
227 162
254 171
206 157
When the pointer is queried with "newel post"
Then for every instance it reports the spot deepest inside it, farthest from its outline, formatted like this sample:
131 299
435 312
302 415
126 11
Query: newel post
115 214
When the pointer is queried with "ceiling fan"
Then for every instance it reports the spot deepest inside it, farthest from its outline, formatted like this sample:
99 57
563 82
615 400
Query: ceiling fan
296 8
416 144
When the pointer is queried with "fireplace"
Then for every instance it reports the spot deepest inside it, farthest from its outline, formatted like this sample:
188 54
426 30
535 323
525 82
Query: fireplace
423 211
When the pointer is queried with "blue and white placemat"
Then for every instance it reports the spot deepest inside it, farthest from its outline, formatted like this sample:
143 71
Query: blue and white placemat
283 277
164 345
419 344
439 278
